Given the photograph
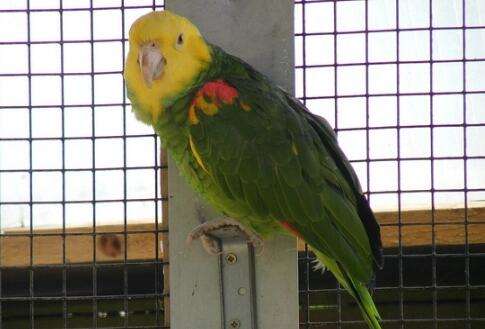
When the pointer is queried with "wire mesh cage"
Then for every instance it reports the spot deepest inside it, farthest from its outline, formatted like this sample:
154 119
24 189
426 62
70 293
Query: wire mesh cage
80 180
403 92
402 82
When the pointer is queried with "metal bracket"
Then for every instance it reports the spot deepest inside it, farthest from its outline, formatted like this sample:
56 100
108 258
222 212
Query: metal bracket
237 278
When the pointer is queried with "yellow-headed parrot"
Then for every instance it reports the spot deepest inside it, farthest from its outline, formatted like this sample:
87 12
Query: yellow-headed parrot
253 151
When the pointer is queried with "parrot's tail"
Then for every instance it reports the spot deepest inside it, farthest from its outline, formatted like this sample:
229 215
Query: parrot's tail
356 289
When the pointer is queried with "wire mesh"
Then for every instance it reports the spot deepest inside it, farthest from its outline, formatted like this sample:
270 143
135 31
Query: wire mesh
398 81
73 260
401 82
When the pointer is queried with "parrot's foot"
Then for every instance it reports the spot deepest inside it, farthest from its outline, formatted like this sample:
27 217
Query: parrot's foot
212 244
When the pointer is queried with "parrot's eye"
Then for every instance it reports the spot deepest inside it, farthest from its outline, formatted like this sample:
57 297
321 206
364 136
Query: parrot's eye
180 40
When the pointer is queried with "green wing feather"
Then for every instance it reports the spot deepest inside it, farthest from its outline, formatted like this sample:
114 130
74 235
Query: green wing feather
283 164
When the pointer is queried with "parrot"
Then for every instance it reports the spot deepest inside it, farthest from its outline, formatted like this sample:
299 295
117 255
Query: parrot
252 151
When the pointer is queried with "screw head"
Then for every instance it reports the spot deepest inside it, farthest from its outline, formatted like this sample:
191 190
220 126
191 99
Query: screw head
231 258
242 291
235 323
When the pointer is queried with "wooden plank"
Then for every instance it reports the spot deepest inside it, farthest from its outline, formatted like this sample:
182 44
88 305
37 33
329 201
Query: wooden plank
417 227
47 245
475 213
416 230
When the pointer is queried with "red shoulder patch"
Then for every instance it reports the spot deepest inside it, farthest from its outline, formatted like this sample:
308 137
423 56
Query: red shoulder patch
209 98
219 90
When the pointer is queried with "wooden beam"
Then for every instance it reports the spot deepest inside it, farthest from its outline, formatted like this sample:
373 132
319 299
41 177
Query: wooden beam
416 230
417 227
79 241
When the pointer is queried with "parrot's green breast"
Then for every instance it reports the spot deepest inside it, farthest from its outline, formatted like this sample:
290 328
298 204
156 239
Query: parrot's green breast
181 129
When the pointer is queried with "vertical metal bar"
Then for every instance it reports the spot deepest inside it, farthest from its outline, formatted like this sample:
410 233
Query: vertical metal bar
161 193
164 246
31 238
63 150
431 120
399 218
468 322
93 170
367 137
305 301
306 304
336 97
367 150
165 241
194 275
125 203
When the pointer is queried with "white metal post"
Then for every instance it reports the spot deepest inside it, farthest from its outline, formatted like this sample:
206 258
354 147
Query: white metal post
260 32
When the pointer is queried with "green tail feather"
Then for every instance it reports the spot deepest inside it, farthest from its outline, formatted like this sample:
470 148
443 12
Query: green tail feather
357 290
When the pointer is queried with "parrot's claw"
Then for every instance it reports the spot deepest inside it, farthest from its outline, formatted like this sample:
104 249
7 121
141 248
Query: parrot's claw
212 245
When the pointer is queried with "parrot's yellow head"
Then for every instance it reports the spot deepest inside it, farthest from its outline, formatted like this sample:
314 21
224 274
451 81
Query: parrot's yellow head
167 53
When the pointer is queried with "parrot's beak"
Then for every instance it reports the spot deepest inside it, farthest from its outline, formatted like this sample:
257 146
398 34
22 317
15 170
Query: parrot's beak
151 63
